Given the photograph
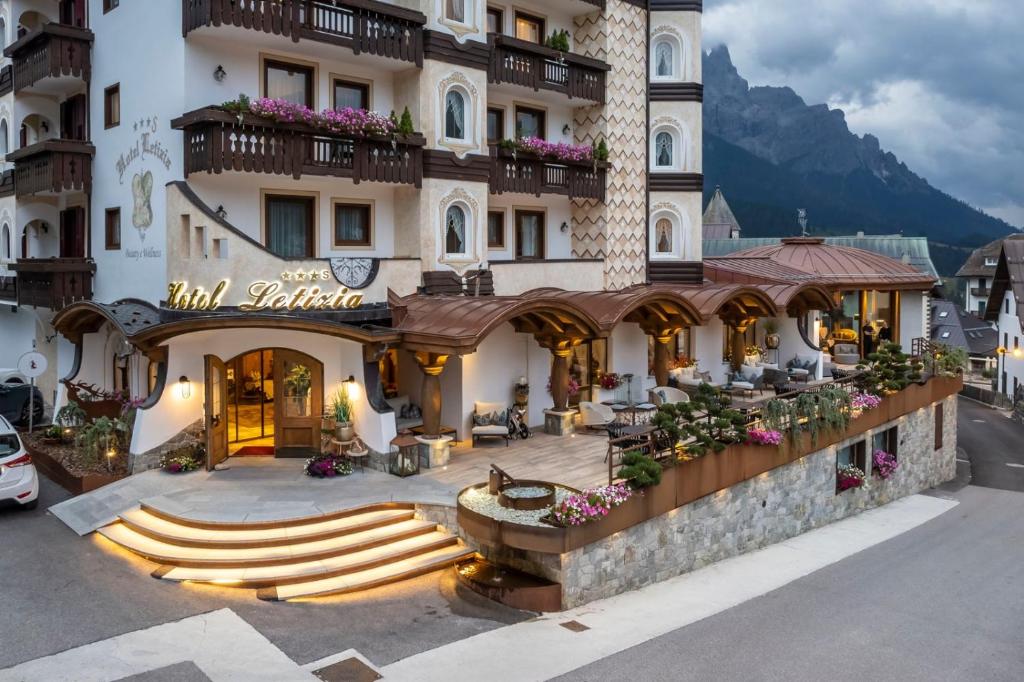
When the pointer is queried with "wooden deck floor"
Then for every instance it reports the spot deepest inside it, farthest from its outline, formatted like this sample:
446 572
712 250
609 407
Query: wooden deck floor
576 461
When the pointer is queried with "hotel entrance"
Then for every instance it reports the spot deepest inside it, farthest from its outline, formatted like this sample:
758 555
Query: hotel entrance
264 402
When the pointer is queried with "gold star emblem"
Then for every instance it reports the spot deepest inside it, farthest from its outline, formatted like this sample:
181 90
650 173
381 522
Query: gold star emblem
314 275
286 276
300 275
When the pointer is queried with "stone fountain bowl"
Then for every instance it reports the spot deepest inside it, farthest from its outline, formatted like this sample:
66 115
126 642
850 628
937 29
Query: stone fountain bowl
526 495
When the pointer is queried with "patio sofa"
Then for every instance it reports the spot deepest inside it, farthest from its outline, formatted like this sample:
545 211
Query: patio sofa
490 420
688 379
407 415
845 354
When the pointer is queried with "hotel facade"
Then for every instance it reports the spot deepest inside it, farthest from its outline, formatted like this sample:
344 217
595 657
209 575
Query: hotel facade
187 218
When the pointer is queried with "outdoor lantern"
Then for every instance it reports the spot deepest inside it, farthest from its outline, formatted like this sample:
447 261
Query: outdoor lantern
219 74
405 455
184 387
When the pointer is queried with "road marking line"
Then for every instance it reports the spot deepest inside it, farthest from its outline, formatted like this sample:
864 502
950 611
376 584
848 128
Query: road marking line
963 460
978 421
1015 465
633 618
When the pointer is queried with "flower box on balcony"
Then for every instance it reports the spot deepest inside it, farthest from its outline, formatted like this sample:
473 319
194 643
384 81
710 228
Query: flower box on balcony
517 171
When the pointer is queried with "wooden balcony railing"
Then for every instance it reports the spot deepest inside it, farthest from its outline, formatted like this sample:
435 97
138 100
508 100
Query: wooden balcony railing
529 174
53 282
51 51
980 293
367 26
6 80
53 166
7 183
538 67
217 141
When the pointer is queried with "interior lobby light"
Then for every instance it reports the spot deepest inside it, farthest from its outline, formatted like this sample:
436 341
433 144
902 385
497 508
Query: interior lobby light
184 387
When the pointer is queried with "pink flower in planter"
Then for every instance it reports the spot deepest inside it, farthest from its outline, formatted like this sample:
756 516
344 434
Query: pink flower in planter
590 504
884 464
764 437
561 151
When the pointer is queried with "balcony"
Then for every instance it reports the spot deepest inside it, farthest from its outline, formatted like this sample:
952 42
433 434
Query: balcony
529 174
537 67
368 26
55 56
218 141
52 167
53 282
980 293
6 80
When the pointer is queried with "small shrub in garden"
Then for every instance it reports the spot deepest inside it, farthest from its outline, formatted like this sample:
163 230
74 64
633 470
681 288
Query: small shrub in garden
590 504
884 464
179 461
639 470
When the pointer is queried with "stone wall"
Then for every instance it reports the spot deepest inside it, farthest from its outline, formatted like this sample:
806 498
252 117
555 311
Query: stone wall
150 459
769 508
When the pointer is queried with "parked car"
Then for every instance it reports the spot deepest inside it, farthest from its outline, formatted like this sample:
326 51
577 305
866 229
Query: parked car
19 482
14 394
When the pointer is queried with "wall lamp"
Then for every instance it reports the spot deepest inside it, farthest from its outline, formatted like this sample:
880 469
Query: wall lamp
219 74
184 387
566 129
565 227
221 212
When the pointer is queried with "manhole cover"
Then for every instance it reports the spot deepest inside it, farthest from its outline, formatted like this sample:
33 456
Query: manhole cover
574 625
349 670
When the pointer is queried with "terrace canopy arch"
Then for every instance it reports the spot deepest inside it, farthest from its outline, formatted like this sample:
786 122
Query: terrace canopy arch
738 305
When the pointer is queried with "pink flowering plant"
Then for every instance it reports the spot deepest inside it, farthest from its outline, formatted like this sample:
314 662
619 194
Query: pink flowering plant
327 465
862 402
345 121
884 464
590 505
849 476
561 151
764 437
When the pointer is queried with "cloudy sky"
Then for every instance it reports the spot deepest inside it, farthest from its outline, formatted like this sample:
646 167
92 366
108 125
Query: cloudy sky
939 82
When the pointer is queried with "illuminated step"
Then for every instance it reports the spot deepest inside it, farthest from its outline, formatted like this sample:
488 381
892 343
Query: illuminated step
246 557
174 533
374 577
275 523
268 576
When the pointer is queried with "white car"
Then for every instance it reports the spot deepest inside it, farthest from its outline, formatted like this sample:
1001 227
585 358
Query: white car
19 482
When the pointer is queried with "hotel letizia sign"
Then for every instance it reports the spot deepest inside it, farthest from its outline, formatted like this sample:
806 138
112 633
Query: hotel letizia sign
294 290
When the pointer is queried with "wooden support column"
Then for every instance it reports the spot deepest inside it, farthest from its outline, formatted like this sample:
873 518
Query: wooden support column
739 342
560 378
662 355
431 364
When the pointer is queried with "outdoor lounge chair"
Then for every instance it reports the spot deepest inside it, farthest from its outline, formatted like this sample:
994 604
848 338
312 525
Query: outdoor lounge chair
489 430
660 395
596 414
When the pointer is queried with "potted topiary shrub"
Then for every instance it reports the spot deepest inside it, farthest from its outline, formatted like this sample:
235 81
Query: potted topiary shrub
341 409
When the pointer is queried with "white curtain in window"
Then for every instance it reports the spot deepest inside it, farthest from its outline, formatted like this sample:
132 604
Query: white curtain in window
455 231
663 59
5 247
455 116
663 236
663 149
456 10
351 226
287 231
529 236
286 85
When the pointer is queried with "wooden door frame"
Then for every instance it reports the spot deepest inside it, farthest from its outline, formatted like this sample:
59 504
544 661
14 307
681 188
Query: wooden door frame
216 426
316 394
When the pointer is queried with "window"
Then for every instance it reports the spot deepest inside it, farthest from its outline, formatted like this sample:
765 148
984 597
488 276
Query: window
664 59
991 262
854 454
529 28
529 235
1006 306
887 440
351 95
495 20
352 225
455 10
495 229
945 335
981 282
530 123
112 229
4 139
455 231
663 236
939 419
290 225
5 247
495 125
112 106
455 115
663 150
944 313
290 82
109 5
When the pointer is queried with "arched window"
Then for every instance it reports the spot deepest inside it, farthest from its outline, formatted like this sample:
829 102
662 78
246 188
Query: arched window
455 231
5 247
5 144
664 59
664 150
455 115
663 236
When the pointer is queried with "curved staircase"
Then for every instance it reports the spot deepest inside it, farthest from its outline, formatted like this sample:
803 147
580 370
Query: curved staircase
345 551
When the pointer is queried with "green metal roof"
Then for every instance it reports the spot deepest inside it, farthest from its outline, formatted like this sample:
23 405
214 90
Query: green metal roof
892 245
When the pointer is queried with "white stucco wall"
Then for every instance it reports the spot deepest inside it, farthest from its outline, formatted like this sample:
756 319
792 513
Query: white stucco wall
913 318
707 349
627 354
1012 339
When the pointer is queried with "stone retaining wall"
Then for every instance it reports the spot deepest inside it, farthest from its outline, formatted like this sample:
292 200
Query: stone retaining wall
761 511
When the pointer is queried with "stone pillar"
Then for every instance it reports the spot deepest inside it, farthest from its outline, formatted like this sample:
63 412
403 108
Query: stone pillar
431 364
560 378
662 356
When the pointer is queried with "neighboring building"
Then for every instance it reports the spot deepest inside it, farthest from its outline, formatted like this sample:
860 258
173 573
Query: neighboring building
976 276
719 221
954 326
237 266
1006 309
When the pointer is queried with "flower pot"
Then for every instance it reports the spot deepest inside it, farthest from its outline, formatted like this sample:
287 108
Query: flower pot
772 341
345 431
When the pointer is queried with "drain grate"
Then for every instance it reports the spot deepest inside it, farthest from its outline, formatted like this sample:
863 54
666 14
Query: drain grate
349 670
574 625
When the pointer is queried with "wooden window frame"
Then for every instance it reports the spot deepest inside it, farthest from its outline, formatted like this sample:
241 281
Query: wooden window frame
276 63
892 441
542 25
501 133
311 206
495 245
940 419
365 86
500 14
517 226
542 113
110 5
110 244
108 94
859 459
368 206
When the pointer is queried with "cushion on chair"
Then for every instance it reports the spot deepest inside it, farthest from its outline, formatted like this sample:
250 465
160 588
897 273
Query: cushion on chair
490 430
743 384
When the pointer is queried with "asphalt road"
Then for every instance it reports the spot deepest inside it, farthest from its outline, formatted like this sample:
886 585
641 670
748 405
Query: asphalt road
944 601
59 591
993 443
